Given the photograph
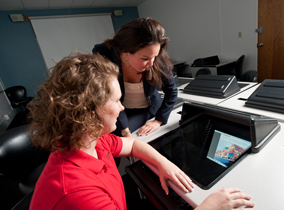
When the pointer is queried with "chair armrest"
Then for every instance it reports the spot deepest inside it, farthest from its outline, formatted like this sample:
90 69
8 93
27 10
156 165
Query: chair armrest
24 203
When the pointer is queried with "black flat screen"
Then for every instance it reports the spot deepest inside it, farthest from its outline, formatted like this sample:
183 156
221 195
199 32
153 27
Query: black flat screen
191 148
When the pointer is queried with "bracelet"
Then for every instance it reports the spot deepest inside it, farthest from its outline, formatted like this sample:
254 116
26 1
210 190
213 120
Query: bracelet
124 133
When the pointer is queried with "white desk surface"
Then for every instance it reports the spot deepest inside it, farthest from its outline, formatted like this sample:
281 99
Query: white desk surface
173 123
259 175
209 100
237 104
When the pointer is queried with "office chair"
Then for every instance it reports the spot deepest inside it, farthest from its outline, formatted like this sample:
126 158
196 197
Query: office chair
239 67
249 76
17 96
234 68
20 160
205 71
24 203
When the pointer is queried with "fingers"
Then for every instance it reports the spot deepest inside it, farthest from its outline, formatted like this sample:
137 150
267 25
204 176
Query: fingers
183 182
180 179
227 199
243 203
236 193
148 128
164 185
145 130
241 199
237 197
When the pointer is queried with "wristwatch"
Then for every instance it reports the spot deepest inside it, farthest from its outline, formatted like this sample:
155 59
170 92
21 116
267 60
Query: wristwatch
124 133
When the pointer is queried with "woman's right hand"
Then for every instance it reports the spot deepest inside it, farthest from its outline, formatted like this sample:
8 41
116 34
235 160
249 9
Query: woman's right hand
226 199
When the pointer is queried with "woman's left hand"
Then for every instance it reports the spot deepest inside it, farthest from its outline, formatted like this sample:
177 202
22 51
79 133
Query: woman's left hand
149 127
168 170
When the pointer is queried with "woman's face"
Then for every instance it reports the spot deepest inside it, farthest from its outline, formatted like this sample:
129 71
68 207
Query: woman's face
143 58
110 111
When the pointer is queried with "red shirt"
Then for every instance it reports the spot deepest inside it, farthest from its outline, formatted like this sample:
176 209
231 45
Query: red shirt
77 180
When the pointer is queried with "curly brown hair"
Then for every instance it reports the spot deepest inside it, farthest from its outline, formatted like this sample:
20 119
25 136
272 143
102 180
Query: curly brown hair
65 106
140 33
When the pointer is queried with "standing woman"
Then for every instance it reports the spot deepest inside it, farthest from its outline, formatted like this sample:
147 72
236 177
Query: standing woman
139 49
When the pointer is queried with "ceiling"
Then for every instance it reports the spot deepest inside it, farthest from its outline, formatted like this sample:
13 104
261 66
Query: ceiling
64 4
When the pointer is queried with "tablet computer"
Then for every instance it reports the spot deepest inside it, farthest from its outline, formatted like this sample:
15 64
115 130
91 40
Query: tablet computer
205 148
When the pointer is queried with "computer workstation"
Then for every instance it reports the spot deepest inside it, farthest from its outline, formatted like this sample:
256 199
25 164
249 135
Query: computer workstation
275 109
203 98
212 63
258 174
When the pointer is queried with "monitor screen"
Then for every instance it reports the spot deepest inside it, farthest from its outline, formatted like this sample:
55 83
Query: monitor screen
225 148
195 146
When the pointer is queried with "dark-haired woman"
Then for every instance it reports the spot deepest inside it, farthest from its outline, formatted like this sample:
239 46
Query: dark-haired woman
139 49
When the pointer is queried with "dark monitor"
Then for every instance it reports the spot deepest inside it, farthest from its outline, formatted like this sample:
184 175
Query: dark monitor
195 145
217 86
268 96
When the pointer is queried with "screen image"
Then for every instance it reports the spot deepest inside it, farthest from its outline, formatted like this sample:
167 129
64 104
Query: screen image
225 148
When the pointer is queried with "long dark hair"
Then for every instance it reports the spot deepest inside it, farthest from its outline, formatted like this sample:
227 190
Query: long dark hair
140 33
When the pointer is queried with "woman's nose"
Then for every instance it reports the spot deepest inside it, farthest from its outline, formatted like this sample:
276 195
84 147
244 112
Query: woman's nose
122 107
150 62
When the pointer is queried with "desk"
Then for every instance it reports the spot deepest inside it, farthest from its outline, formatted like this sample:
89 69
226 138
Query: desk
209 100
213 69
259 175
237 102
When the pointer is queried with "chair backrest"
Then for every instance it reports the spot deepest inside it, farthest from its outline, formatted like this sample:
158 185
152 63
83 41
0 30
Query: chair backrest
239 66
205 71
16 93
208 61
249 76
20 160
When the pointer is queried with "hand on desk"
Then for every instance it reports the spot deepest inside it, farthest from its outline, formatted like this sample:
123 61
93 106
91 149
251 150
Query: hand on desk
149 127
168 170
226 199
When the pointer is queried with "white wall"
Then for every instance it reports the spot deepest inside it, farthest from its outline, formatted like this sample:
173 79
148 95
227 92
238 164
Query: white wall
207 27
239 16
7 113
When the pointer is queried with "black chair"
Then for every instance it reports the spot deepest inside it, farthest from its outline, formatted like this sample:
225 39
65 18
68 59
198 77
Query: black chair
249 76
239 67
205 71
20 160
24 203
17 96
235 68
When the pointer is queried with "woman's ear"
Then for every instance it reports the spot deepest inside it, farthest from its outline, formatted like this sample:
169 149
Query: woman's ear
125 55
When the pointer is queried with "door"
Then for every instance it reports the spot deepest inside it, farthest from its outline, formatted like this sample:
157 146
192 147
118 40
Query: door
271 40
